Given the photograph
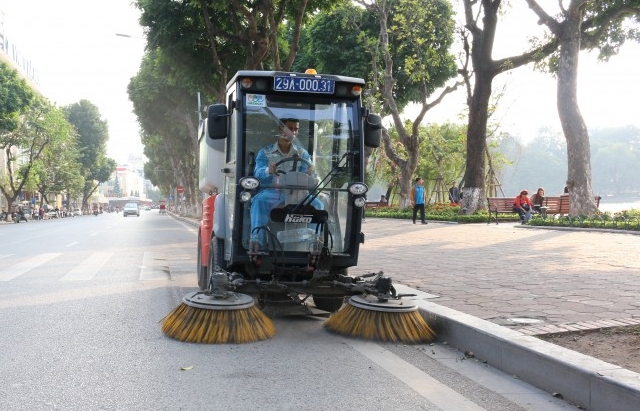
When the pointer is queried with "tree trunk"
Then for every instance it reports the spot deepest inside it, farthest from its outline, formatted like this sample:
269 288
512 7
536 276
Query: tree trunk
573 126
474 177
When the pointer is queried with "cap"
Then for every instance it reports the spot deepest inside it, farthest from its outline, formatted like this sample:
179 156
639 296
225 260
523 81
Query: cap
288 119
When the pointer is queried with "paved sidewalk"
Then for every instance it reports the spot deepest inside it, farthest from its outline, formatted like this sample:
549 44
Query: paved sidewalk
530 279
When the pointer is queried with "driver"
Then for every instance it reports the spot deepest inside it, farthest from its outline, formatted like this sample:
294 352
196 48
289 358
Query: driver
266 169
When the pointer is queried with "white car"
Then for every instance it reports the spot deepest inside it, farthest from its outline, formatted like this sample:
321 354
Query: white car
76 212
131 209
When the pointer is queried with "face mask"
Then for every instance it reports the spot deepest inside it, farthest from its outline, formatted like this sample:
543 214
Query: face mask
287 135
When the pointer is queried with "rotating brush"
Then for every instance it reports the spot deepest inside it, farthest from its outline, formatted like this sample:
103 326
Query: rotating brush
202 318
369 318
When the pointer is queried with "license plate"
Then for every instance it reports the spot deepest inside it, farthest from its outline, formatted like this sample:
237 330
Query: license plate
304 84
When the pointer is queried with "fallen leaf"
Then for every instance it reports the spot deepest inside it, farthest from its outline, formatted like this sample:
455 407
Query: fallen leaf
187 368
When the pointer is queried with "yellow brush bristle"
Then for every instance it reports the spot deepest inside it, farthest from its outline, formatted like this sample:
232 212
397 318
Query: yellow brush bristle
405 327
198 325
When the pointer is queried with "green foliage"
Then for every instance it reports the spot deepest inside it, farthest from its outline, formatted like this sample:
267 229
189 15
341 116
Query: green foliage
626 220
41 133
165 112
436 212
60 169
92 131
442 154
203 51
92 135
15 96
331 45
345 41
176 36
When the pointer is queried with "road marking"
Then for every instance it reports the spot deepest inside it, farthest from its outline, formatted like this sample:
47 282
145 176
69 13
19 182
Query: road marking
151 267
87 269
14 271
433 390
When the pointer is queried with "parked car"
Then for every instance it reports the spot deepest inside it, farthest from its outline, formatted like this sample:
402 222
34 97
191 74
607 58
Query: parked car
131 209
76 212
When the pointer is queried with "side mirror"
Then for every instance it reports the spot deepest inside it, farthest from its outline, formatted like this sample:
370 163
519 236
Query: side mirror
372 130
217 121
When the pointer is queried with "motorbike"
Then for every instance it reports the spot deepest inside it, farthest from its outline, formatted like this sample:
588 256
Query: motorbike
17 217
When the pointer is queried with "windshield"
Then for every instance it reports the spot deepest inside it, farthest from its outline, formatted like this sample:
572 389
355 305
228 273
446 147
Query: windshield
324 127
325 134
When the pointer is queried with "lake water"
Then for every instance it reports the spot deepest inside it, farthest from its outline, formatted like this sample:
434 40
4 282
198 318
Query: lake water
617 204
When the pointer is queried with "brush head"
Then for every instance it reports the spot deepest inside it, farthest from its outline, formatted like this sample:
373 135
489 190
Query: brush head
208 320
380 321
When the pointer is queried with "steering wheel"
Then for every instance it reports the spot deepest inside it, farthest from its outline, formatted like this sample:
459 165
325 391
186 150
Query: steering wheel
295 160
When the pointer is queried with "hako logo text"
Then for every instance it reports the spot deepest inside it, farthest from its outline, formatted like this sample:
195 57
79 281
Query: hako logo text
298 218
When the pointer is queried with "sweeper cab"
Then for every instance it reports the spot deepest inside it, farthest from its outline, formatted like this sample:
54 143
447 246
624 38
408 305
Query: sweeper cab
303 244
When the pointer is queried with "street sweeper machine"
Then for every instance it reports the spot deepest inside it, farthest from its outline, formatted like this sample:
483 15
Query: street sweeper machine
283 163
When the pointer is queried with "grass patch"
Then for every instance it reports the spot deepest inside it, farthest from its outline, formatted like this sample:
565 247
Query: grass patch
438 212
626 220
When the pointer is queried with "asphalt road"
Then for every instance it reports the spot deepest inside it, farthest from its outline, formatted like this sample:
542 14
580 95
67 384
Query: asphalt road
80 304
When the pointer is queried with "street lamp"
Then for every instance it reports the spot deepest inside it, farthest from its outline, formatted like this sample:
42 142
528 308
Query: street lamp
129 36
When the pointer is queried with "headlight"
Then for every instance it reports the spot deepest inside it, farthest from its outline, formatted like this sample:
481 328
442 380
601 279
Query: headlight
358 189
245 196
249 183
359 202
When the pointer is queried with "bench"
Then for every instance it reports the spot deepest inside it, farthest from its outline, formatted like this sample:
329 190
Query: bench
558 205
499 205
373 205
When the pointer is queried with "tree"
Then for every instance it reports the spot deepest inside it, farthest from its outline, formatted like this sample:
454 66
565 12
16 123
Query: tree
413 41
41 126
444 147
441 160
60 171
92 135
117 190
479 91
583 25
15 96
206 40
165 111
192 46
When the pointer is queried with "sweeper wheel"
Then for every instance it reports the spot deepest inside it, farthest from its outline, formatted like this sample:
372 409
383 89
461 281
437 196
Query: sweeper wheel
328 304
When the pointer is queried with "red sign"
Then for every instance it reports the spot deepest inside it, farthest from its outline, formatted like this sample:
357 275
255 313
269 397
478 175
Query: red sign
180 189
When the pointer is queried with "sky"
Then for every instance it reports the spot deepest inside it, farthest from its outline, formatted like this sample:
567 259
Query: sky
77 55
74 49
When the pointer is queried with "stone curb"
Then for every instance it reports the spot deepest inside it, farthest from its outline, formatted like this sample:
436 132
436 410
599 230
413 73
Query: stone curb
580 379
